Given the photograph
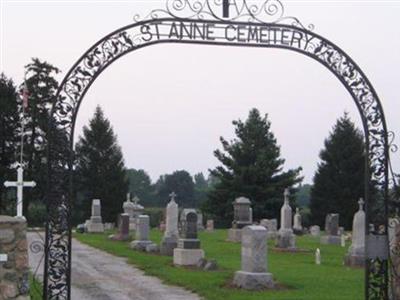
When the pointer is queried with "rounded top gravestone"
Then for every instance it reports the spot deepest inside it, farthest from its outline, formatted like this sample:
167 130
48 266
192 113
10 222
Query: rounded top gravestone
242 212
190 226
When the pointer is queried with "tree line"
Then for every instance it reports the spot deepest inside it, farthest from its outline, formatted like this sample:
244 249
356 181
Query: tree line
250 165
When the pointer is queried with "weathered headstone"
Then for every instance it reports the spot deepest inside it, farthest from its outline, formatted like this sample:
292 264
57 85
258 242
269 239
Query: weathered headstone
286 239
356 254
341 231
188 252
200 225
242 216
14 264
272 227
297 226
331 230
142 233
317 256
95 224
109 226
254 272
343 240
210 225
171 234
185 211
123 228
315 230
162 226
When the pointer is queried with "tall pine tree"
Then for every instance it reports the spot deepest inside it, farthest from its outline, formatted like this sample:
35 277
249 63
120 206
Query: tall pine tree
251 167
9 136
339 179
42 86
100 170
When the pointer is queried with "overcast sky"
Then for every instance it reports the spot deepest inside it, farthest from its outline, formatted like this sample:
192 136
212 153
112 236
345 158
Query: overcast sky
169 104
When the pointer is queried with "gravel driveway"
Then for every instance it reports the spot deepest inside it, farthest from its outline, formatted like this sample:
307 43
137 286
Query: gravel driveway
98 275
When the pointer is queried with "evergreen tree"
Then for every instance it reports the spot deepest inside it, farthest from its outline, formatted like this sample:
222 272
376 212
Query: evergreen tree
42 87
339 179
100 170
9 136
251 167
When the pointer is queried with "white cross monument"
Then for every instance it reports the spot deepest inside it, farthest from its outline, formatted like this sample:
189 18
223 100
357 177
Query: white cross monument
20 184
172 196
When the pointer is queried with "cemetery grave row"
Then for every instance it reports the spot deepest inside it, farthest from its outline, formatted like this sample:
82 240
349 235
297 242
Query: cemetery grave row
180 238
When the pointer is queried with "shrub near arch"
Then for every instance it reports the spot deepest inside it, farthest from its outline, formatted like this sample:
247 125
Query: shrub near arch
211 22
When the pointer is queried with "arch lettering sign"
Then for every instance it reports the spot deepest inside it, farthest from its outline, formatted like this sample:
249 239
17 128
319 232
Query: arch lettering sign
224 23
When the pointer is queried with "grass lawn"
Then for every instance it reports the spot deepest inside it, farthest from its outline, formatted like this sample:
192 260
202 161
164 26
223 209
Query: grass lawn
300 278
35 290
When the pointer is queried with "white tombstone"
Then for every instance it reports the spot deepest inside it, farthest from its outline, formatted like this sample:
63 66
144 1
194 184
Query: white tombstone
129 208
393 223
200 225
210 226
356 254
137 210
286 213
331 230
254 272
171 234
272 227
297 226
343 240
315 230
142 233
286 238
95 224
317 256
242 216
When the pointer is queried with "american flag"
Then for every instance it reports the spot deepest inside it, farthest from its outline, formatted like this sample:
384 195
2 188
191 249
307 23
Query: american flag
25 96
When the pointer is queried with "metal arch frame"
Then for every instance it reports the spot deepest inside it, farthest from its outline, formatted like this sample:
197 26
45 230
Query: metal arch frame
135 36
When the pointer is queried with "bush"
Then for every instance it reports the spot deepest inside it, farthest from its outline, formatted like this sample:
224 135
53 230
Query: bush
37 214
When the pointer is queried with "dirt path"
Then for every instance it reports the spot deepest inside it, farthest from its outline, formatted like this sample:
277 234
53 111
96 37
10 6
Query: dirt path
100 276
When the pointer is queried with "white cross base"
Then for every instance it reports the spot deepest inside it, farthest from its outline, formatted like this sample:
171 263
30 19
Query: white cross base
3 257
20 184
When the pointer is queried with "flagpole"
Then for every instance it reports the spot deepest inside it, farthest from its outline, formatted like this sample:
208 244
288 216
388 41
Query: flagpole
25 95
22 130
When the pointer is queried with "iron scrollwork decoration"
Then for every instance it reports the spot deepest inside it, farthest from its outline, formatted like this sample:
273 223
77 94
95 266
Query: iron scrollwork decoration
211 22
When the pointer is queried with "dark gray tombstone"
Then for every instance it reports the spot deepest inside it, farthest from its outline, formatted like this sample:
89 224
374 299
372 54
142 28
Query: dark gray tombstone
241 212
123 228
332 224
331 230
188 252
189 232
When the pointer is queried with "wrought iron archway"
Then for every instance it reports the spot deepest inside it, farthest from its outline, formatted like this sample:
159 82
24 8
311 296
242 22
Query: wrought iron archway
213 22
